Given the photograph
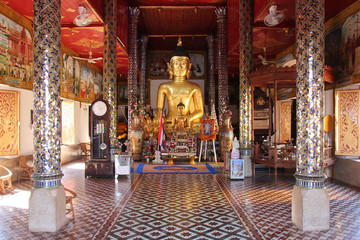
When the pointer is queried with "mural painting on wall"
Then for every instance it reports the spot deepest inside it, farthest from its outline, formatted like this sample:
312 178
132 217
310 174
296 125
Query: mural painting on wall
98 85
16 54
157 64
9 123
342 51
70 85
87 83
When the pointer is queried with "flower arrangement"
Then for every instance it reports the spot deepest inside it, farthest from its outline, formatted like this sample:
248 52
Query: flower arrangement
118 144
138 110
226 113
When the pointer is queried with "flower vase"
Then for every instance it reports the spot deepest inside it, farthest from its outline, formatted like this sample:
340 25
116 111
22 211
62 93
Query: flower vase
226 137
136 137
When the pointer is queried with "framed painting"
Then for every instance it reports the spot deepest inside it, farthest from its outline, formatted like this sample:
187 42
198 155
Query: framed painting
237 169
207 129
9 123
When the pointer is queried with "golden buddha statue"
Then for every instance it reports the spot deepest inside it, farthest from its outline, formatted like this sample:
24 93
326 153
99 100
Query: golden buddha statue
180 90
180 121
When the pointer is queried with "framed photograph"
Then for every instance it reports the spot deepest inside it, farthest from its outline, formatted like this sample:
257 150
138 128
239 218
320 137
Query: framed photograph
207 129
237 169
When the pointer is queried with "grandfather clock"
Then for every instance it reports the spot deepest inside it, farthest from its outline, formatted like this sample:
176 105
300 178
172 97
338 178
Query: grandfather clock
100 164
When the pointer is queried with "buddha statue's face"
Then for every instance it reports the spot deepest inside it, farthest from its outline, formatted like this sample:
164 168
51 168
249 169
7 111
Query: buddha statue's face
180 66
181 110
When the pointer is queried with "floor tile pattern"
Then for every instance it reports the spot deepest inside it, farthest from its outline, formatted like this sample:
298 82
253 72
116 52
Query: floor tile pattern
178 207
269 207
97 198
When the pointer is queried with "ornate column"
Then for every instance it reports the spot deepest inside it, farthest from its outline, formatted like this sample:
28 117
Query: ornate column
245 67
47 200
222 60
310 201
142 79
109 70
132 72
211 58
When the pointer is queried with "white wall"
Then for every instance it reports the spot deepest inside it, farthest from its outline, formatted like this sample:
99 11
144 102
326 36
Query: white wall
68 153
82 122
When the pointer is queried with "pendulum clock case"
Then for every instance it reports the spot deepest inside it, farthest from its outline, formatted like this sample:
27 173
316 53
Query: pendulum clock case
100 164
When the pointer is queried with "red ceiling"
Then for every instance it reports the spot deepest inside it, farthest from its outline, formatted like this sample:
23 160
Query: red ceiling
164 20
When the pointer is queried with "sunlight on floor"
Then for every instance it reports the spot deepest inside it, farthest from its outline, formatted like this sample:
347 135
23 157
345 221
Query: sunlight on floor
18 200
80 166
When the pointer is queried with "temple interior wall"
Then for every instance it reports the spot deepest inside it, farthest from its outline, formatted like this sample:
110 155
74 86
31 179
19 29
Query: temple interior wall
72 152
68 152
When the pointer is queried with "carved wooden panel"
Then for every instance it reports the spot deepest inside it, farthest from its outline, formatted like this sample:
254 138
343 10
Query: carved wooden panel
347 111
9 123
285 121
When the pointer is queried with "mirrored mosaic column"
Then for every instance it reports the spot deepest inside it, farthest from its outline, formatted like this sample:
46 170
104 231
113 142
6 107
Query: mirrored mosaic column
222 60
132 71
310 202
47 104
142 79
211 58
245 67
47 200
109 71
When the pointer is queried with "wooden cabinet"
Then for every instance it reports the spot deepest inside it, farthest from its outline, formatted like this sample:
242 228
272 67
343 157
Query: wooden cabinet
99 169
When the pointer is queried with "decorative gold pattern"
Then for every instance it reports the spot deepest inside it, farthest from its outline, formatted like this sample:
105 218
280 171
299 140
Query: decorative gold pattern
347 111
9 123
285 121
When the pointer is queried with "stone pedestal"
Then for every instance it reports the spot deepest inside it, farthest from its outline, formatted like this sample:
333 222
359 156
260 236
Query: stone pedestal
311 209
247 166
47 210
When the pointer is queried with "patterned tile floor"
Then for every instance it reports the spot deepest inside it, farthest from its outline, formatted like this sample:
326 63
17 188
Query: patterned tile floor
181 207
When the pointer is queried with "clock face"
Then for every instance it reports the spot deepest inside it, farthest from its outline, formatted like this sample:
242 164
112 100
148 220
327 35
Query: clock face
99 108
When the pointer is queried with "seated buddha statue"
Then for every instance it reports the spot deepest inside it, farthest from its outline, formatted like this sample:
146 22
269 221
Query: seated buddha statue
180 121
180 90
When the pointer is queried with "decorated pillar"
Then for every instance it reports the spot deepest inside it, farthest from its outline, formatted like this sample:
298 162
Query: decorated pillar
47 200
109 70
245 67
142 80
310 201
211 59
222 60
132 72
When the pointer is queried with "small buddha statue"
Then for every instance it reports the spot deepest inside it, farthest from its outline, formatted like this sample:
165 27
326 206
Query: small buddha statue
148 126
180 90
180 121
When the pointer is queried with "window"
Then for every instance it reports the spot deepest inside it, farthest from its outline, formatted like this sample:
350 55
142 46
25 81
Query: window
68 122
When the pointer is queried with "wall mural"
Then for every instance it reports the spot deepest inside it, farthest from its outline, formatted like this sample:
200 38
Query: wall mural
16 54
70 83
87 83
9 123
157 64
98 85
342 51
